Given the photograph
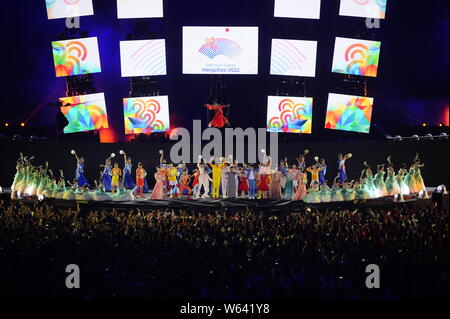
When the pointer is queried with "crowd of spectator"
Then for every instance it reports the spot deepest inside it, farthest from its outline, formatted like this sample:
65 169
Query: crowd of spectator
188 254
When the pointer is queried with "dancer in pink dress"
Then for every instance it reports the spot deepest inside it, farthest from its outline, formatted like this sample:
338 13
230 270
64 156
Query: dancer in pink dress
275 186
158 190
301 188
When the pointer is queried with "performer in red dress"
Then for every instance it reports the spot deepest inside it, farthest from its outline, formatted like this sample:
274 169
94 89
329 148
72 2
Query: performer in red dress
140 180
243 184
219 120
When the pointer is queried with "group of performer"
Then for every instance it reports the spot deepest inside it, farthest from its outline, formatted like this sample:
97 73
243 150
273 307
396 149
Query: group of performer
223 178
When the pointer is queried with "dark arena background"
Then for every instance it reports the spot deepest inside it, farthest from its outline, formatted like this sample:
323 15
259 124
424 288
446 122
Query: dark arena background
341 195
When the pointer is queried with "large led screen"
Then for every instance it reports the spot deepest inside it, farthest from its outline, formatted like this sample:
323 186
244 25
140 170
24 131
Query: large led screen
293 57
75 57
356 57
220 50
127 9
57 9
289 114
349 113
84 112
363 8
303 9
143 57
146 115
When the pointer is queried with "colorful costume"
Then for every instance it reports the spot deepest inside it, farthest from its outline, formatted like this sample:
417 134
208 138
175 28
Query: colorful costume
325 194
314 170
203 181
342 173
116 173
219 120
401 181
276 186
216 177
251 177
140 180
379 184
322 174
158 190
336 194
184 187
392 186
301 188
243 184
106 177
79 175
313 196
128 182
289 188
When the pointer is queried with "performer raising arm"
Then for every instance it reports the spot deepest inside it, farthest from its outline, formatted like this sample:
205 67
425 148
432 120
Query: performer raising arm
128 182
106 174
342 172
79 173
219 120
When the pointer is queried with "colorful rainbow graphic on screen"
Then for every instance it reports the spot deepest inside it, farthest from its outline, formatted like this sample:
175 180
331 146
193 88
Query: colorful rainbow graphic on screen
287 59
150 57
293 117
144 116
57 9
85 113
380 5
220 46
349 113
50 3
359 58
71 58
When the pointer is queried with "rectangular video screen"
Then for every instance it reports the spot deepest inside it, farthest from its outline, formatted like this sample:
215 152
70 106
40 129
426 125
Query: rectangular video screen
57 9
293 58
220 50
128 9
146 115
375 9
143 58
77 56
301 9
288 114
356 57
349 113
85 112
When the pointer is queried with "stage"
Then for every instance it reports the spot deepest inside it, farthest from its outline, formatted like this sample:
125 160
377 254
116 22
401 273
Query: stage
235 205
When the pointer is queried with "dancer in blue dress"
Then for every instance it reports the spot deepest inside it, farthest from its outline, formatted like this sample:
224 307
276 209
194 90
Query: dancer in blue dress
322 172
342 172
106 174
128 182
79 172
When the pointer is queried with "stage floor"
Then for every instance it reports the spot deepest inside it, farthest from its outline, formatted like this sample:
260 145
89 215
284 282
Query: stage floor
230 204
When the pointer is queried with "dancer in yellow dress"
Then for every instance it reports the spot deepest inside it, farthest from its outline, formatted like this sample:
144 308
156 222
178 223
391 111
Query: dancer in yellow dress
217 175
172 174
315 170
116 173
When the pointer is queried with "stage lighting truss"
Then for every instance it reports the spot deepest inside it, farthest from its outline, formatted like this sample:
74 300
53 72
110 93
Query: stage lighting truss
428 137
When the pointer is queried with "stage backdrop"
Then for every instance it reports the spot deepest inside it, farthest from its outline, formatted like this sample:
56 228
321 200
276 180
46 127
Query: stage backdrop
433 153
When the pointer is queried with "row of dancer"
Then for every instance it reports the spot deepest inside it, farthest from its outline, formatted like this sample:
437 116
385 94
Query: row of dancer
226 178
229 179
40 181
